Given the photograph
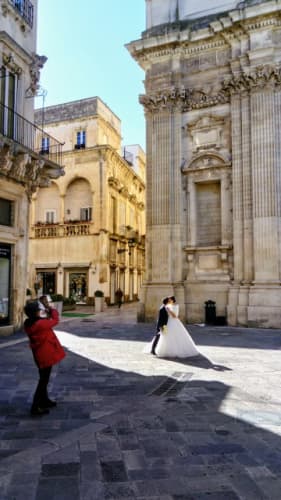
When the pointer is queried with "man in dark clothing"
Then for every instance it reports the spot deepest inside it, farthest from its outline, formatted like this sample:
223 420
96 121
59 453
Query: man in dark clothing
119 295
161 322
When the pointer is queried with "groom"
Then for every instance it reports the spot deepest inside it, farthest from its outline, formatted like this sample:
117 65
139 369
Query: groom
162 321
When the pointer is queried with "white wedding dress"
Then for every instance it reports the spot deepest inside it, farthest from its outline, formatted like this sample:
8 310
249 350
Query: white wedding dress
175 341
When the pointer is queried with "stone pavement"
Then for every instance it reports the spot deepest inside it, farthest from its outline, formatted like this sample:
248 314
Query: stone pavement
131 426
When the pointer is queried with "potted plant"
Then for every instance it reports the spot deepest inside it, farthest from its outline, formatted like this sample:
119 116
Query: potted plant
69 304
57 301
99 300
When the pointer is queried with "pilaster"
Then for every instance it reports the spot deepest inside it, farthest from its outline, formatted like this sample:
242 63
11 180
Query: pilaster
265 197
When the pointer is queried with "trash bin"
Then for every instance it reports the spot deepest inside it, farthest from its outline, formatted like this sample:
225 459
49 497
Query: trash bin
210 312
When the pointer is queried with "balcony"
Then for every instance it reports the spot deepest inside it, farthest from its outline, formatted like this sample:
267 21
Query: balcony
27 134
56 230
25 9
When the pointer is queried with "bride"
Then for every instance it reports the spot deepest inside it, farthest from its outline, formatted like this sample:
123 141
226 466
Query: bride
175 341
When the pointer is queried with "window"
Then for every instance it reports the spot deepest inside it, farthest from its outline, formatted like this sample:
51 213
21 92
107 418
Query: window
86 214
50 216
45 145
80 139
8 101
5 279
46 282
208 214
6 212
25 8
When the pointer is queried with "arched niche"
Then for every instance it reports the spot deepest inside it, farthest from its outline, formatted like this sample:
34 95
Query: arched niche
78 200
47 204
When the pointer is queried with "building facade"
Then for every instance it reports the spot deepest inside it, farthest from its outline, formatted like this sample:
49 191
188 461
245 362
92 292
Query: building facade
213 115
87 229
22 167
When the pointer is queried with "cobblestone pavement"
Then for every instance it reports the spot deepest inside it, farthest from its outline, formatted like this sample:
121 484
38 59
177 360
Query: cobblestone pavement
131 426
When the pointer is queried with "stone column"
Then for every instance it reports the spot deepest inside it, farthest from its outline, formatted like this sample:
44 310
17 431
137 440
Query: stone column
265 296
237 190
226 223
163 203
265 190
62 208
237 186
191 241
247 188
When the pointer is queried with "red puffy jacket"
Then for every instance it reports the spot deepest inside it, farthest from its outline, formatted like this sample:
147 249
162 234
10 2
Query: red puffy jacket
45 345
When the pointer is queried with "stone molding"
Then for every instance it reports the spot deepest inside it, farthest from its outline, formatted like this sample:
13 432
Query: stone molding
187 99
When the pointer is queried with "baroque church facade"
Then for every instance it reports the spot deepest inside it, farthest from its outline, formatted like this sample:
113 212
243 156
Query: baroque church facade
212 103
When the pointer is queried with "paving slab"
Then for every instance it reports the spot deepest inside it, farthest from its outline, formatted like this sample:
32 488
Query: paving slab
129 425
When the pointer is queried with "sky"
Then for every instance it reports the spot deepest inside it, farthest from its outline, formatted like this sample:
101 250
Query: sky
84 43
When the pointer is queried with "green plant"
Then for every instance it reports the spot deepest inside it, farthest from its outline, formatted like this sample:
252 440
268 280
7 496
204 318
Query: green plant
68 301
99 293
57 297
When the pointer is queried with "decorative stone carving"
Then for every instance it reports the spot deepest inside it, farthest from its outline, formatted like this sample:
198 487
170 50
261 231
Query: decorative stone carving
34 169
6 159
203 161
34 70
18 169
206 133
186 99
252 79
113 182
9 62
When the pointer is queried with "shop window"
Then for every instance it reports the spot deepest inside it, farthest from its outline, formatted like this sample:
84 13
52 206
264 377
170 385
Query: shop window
45 283
5 278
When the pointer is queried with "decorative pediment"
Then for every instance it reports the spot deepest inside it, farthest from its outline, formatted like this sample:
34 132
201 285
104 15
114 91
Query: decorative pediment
203 161
206 133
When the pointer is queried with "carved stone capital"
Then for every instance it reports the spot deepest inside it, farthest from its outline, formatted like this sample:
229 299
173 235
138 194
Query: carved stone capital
10 63
183 99
261 77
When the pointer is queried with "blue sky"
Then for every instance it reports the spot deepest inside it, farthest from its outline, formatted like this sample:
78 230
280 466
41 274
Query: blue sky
84 43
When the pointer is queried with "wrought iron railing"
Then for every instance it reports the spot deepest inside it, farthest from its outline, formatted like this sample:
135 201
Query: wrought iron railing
26 133
26 9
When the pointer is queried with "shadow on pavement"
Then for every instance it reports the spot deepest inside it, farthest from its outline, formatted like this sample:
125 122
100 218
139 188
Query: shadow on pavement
158 435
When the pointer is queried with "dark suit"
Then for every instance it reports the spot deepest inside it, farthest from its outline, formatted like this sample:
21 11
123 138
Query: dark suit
162 321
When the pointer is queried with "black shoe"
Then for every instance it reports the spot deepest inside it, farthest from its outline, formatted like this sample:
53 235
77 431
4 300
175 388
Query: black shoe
49 404
38 411
154 353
